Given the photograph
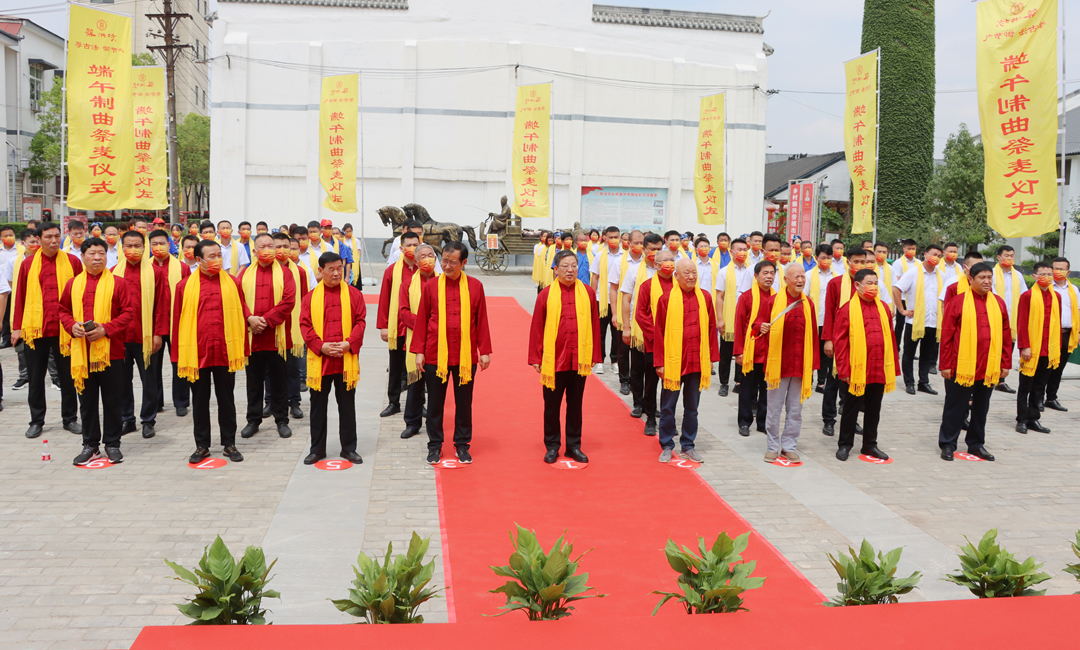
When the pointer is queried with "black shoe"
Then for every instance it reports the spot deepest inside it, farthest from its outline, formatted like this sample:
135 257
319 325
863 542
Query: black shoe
1021 427
311 459
181 411
352 457
34 431
390 410
819 389
842 453
650 427
947 452
87 455
933 369
910 388
829 430
1055 405
20 384
433 456
161 409
75 428
723 390
966 425
551 456
761 428
577 455
624 388
926 388
463 455
1035 425
1003 387
233 454
251 429
284 431
657 414
744 432
874 452
201 454
148 431
266 411
409 432
295 413
129 427
858 429
981 452
636 413
737 388
114 455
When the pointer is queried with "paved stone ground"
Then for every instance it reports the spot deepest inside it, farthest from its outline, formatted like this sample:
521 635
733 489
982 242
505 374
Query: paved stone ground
81 550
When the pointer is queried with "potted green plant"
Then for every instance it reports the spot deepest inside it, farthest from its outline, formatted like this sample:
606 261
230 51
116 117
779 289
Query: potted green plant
391 591
714 581
230 591
1074 569
989 571
865 580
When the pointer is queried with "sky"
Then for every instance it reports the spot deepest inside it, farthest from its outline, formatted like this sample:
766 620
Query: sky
812 39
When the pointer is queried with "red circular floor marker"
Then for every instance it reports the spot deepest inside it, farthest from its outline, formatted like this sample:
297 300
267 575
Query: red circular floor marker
874 461
682 463
568 463
963 455
450 463
784 462
97 463
335 465
209 463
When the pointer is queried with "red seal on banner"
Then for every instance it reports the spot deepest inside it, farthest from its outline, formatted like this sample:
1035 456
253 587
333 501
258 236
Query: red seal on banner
568 463
97 463
875 461
335 465
209 463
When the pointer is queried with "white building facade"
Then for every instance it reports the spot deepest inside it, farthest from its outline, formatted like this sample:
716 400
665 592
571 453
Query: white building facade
438 95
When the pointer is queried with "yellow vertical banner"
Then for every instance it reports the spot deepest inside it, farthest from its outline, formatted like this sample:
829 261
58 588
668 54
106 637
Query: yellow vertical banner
861 137
1016 74
151 176
338 111
709 185
532 151
100 137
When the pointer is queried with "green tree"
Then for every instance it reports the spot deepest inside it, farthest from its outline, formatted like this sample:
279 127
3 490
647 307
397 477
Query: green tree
143 58
955 202
45 145
905 33
1045 247
193 147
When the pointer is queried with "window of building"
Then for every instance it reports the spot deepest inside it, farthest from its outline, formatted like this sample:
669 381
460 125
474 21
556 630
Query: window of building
204 100
37 84
196 95
198 46
37 187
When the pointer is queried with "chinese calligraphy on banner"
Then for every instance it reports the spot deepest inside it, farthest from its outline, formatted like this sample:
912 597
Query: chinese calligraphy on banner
532 126
709 162
1016 66
800 219
338 112
860 137
101 143
151 155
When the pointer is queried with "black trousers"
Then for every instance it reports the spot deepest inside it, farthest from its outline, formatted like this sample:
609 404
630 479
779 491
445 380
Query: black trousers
834 389
37 364
928 351
727 353
20 349
570 383
5 330
899 332
643 382
870 404
181 390
463 395
224 384
397 372
623 355
605 326
148 378
292 380
267 366
753 397
1054 381
957 399
346 404
1030 390
414 404
103 384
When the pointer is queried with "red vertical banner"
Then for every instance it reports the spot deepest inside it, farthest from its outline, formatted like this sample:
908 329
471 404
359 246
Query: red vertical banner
794 205
806 212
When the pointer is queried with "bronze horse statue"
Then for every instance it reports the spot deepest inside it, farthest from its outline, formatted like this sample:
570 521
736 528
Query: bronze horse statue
435 233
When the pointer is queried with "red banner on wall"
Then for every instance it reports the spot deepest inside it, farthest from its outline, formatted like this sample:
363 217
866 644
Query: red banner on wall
800 221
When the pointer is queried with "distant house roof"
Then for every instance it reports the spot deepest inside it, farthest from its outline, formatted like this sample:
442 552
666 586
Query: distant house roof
678 19
778 174
359 4
10 26
1072 133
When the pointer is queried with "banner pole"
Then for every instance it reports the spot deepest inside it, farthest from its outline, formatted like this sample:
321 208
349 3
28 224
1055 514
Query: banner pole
877 143
551 148
363 240
63 129
1063 139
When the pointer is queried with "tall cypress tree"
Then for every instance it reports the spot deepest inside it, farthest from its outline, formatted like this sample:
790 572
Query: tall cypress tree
905 33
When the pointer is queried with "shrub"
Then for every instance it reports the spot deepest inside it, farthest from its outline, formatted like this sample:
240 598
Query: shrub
989 571
864 581
391 592
542 584
714 581
230 592
1074 569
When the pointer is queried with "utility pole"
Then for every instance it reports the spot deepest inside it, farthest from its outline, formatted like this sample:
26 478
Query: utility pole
170 52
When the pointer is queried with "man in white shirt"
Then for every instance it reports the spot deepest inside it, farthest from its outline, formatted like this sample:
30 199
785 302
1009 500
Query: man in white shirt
899 268
884 273
756 253
702 248
112 251
9 252
5 293
1004 278
673 242
635 254
1070 302
949 266
818 279
412 225
76 236
602 258
640 366
907 288
743 273
227 244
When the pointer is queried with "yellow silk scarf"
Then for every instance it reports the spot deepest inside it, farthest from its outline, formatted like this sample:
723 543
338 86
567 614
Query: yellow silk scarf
731 296
1035 332
637 337
234 256
146 303
962 284
583 314
885 273
34 304
603 296
748 343
1074 302
1014 298
624 266
538 256
815 285
187 354
442 368
547 275
395 303
918 322
857 347
295 334
314 361
96 359
673 340
776 345
14 287
278 281
714 264
968 344
411 368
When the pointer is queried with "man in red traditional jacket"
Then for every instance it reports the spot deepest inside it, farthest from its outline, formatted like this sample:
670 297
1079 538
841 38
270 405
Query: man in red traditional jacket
690 371
106 382
405 266
426 347
753 400
174 271
858 259
662 270
1032 387
268 314
976 397
568 377
414 399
